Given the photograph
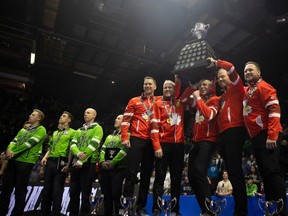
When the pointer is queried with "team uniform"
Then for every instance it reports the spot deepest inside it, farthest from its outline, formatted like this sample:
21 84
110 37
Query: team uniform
136 120
261 113
233 135
167 132
54 179
111 180
87 140
205 138
26 146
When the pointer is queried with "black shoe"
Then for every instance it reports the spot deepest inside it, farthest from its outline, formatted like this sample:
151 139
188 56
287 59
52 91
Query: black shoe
141 212
175 214
156 213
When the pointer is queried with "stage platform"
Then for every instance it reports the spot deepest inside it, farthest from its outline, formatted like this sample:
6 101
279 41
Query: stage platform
188 203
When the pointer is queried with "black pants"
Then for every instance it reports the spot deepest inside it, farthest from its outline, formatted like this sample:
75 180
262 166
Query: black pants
141 152
81 182
268 162
199 158
111 186
173 157
232 141
16 175
53 189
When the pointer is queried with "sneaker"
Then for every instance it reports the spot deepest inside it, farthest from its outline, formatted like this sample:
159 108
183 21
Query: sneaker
141 212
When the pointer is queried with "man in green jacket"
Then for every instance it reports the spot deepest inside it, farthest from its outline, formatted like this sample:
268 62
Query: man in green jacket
85 149
113 164
56 164
22 153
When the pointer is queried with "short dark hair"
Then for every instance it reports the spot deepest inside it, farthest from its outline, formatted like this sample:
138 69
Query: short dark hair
255 63
69 115
148 77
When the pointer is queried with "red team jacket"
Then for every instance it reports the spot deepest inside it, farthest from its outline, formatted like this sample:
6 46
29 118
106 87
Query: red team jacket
167 128
231 108
136 120
261 110
205 125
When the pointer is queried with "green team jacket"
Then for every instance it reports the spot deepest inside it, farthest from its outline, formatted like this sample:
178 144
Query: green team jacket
59 143
114 141
87 140
251 190
27 145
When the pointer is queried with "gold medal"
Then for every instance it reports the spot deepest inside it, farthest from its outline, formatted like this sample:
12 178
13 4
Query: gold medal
169 120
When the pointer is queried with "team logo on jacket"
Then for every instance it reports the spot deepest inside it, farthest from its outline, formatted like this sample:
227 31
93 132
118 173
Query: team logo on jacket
174 119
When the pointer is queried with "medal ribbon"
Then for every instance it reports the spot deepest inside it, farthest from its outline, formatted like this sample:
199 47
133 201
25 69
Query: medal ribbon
169 113
148 110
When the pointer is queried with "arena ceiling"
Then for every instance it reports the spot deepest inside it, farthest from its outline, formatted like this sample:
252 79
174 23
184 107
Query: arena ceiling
102 49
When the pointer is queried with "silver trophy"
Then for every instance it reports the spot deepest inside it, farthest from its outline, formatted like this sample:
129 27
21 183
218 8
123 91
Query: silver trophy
95 201
127 202
215 206
271 207
200 30
166 204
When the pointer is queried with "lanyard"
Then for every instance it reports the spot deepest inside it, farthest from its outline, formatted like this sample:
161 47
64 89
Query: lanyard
148 110
169 113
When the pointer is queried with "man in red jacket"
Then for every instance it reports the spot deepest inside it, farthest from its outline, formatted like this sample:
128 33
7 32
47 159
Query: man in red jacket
136 120
168 142
261 113
232 130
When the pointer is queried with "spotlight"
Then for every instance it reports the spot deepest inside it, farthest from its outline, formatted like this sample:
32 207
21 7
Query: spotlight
33 52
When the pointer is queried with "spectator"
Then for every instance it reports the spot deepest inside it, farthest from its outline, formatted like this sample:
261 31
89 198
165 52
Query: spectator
251 188
186 188
224 187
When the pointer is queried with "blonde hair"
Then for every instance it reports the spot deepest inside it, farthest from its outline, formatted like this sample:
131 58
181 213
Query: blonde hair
40 114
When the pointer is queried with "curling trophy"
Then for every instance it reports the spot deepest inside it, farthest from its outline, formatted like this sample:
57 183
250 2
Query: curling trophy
215 206
200 30
95 201
127 202
270 208
192 62
166 204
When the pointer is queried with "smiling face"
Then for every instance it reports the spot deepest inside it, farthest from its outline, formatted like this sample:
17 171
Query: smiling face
149 86
252 73
205 87
223 78
168 89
